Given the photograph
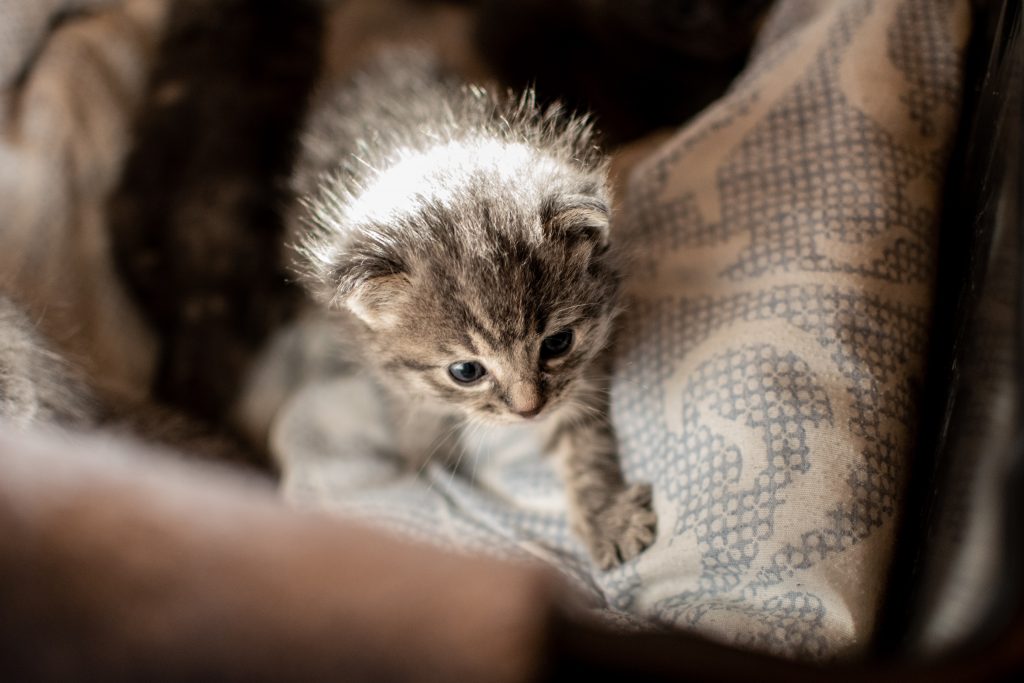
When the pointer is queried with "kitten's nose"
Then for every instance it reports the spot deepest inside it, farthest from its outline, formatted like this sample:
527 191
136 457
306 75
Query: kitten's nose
532 412
524 399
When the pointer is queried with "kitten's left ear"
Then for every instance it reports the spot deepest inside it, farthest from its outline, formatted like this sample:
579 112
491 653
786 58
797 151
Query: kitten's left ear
580 220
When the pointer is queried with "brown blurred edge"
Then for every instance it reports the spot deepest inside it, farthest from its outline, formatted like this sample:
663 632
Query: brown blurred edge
118 564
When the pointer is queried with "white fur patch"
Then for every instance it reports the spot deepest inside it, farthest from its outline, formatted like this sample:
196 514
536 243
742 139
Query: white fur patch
440 172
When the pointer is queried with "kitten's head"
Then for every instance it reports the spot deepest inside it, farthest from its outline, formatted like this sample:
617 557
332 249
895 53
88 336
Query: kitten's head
491 292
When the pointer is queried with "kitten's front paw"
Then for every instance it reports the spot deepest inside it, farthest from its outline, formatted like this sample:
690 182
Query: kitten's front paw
623 529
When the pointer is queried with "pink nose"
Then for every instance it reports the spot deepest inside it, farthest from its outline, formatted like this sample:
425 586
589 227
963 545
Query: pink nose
524 399
532 412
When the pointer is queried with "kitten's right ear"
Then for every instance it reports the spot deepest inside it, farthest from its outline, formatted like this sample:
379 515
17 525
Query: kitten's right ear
366 277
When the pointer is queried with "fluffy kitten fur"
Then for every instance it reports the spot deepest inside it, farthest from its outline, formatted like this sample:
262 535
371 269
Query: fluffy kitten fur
41 389
449 225
36 385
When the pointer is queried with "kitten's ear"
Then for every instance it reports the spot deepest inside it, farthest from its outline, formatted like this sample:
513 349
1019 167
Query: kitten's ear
374 300
580 220
366 277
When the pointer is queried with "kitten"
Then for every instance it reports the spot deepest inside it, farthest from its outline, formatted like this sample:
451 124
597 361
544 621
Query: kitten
463 241
37 386
41 389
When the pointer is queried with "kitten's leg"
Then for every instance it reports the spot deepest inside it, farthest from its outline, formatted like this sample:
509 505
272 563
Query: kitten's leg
612 518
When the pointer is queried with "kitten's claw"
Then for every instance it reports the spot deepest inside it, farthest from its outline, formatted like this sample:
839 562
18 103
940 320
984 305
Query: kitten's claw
623 529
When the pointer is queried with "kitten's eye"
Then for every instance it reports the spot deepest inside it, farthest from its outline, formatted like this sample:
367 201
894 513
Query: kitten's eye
466 372
556 345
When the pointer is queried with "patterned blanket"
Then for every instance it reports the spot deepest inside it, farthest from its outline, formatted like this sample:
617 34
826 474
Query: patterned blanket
767 372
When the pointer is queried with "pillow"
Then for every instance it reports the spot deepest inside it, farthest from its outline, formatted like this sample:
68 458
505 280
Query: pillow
784 247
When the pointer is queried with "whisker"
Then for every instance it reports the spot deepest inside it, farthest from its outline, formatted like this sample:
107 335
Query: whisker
473 428
440 441
478 433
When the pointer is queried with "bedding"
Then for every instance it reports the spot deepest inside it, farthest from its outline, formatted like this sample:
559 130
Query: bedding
783 251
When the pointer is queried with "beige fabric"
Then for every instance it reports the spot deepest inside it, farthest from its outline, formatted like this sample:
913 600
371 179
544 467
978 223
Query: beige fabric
65 122
780 321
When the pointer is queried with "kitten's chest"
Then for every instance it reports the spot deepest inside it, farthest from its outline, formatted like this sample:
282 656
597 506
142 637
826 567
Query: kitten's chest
429 437
502 444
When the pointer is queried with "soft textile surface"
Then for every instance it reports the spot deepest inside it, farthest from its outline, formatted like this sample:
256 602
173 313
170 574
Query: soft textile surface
769 359
68 89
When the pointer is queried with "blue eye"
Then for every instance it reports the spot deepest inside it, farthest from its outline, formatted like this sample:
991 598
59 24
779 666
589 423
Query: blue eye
466 372
556 345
